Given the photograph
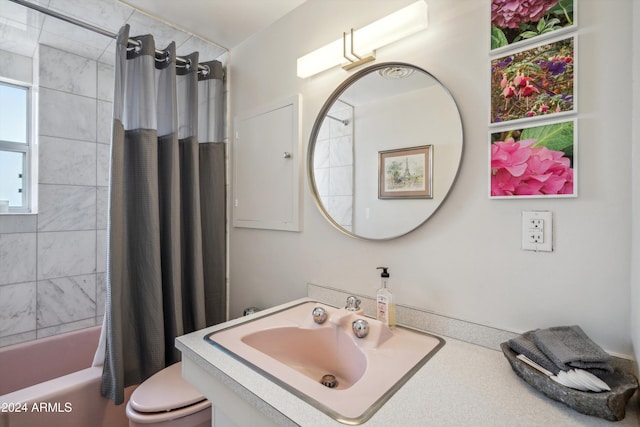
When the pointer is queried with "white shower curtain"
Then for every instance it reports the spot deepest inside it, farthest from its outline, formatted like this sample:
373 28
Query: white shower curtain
166 227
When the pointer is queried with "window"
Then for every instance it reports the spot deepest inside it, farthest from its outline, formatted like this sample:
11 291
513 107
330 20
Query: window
15 146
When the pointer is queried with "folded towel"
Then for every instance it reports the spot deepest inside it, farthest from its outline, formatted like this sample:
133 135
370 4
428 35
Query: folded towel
569 347
524 345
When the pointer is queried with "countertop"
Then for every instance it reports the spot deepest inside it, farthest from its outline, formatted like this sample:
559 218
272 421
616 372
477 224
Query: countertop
462 385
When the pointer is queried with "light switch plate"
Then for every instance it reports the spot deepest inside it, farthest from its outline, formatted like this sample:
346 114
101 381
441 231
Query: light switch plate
537 231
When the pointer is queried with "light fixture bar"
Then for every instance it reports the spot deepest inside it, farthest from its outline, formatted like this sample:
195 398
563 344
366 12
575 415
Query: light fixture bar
359 59
396 26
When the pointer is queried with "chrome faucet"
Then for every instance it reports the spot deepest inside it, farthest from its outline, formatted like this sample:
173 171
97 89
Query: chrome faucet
353 303
360 327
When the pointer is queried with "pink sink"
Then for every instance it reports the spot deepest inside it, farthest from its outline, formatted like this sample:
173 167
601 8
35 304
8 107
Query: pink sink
313 352
289 348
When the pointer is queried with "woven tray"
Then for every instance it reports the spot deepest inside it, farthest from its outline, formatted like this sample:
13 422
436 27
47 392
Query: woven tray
609 405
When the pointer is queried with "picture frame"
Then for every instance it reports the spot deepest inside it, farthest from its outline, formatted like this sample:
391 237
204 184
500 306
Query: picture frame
406 173
534 161
514 24
535 83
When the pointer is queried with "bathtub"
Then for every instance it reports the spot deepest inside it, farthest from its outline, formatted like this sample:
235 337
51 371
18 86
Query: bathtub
51 382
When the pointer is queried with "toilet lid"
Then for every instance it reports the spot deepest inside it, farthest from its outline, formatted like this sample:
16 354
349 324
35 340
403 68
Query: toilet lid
165 391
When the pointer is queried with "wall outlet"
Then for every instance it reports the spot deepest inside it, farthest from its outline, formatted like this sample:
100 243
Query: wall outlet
536 236
537 231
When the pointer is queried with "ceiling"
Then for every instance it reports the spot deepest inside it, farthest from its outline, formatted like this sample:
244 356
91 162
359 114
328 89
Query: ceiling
226 23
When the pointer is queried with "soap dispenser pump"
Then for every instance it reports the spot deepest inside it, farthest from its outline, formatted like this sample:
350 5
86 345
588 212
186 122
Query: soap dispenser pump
385 306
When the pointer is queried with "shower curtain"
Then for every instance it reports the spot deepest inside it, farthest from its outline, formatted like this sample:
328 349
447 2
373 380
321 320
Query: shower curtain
166 225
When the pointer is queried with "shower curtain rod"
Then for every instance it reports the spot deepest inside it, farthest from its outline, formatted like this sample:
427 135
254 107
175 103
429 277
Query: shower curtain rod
344 122
204 69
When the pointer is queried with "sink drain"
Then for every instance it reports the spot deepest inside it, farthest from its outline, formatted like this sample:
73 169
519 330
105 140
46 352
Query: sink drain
329 381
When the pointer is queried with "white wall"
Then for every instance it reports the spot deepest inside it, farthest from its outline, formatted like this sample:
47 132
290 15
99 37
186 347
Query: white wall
635 140
395 122
465 262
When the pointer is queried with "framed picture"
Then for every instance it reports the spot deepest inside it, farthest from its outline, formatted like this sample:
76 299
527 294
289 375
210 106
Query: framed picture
535 161
519 22
535 83
406 173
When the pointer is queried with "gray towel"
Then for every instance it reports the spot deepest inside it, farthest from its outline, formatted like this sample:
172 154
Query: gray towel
569 347
524 345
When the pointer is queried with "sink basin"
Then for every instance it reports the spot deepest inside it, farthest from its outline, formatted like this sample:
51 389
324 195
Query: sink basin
313 352
290 349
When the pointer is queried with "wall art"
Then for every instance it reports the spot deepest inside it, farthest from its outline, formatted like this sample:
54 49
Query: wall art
534 161
518 22
534 83
406 173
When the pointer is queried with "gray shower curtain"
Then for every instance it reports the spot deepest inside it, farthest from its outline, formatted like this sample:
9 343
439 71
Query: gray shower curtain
166 225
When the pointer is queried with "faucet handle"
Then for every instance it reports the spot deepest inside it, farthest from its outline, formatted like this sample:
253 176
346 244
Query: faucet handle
353 303
360 328
319 315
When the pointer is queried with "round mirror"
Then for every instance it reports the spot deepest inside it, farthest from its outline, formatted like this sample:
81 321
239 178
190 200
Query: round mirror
385 151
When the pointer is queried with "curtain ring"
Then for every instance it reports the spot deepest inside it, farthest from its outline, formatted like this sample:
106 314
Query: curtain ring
135 48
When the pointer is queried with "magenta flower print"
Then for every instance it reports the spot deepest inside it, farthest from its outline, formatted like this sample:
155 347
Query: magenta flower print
514 21
512 13
503 183
536 161
511 156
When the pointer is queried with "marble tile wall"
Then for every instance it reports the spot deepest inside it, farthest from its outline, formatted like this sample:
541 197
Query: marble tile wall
52 264
333 164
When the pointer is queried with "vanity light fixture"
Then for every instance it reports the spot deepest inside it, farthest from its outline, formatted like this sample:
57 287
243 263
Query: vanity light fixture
396 26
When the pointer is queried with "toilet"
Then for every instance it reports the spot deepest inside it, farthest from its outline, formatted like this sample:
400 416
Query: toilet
166 400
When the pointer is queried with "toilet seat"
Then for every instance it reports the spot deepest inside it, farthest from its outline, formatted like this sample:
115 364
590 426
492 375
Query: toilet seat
157 417
165 396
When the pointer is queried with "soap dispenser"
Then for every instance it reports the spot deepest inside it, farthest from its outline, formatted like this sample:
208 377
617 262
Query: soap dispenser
385 306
